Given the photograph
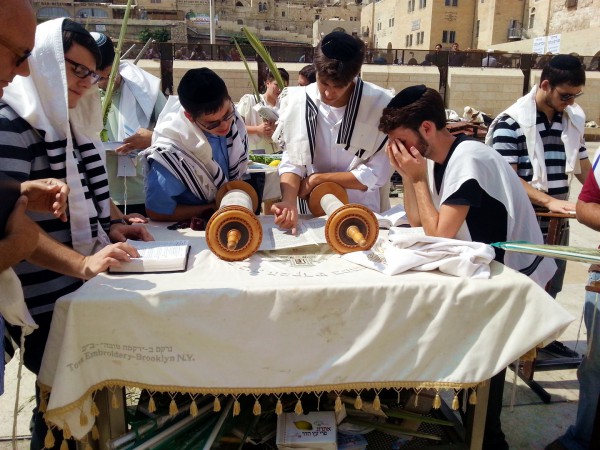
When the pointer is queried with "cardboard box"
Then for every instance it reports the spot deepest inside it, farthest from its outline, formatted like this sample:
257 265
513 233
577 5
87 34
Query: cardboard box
315 430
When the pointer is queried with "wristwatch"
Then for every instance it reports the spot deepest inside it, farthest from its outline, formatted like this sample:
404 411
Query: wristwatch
121 220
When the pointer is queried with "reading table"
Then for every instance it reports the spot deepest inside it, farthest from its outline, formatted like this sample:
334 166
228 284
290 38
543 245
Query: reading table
297 321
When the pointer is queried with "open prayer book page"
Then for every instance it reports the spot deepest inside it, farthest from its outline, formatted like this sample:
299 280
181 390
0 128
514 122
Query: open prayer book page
308 232
393 217
156 256
266 112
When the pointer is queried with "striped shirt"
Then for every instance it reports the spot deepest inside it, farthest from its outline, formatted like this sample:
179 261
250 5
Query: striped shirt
509 141
23 156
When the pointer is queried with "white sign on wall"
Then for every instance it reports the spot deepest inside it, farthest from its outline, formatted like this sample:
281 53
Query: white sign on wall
415 25
554 43
539 45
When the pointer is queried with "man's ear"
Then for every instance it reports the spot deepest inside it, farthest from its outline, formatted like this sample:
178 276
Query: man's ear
427 128
545 85
188 116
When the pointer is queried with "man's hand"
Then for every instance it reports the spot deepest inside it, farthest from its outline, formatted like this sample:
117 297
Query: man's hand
266 129
561 206
141 140
409 163
47 195
308 184
110 256
120 232
135 218
286 215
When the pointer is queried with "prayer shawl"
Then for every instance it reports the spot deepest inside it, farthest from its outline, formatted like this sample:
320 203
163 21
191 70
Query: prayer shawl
524 112
12 303
474 160
297 125
42 100
182 148
137 88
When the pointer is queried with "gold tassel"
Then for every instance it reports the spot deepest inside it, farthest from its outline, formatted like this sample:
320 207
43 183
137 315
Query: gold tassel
473 397
377 403
43 402
67 431
83 420
193 408
338 404
298 409
49 439
64 445
278 407
88 446
114 402
173 410
217 405
257 409
151 404
358 402
455 404
437 401
236 408
95 410
95 433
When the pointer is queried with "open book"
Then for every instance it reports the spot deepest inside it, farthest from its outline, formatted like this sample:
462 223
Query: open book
308 232
156 256
393 217
266 112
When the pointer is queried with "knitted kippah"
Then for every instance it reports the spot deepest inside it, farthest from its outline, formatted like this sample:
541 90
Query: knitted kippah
407 96
340 46
201 86
106 47
565 62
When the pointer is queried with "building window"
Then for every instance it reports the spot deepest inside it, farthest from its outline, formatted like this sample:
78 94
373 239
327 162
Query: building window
448 36
411 5
477 29
155 1
532 18
240 22
317 17
451 3
282 13
420 37
409 40
391 22
422 4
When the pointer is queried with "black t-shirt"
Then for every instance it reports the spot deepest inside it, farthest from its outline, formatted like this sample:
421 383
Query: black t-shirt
487 219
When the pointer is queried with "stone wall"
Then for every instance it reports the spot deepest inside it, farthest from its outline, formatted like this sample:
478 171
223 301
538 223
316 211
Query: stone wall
486 89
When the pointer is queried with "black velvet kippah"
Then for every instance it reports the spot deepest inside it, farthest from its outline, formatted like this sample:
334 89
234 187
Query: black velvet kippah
201 86
69 25
340 46
565 62
407 96
106 47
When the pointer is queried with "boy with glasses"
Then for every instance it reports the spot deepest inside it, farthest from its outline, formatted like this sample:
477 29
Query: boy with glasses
541 137
199 144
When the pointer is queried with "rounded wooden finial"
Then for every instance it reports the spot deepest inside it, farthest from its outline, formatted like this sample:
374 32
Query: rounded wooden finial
351 228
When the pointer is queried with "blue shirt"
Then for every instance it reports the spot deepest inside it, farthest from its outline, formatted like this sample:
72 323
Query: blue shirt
165 191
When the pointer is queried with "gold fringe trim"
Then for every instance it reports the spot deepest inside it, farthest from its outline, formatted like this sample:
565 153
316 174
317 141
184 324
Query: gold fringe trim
298 409
67 431
236 408
95 433
64 445
95 411
473 397
256 410
151 404
83 419
217 404
377 403
114 401
49 439
279 407
358 402
455 403
193 408
88 446
338 403
437 401
173 410
43 401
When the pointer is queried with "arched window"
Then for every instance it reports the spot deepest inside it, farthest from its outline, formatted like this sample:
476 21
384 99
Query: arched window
531 18
49 12
239 4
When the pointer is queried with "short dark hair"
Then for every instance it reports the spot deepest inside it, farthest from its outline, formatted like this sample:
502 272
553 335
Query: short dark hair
309 73
72 32
339 72
430 106
568 71
284 74
201 91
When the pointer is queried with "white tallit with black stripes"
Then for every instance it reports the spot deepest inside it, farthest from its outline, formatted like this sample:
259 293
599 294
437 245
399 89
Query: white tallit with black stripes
181 147
71 136
359 133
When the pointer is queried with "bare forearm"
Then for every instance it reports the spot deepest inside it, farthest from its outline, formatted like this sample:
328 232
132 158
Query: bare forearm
345 179
182 212
55 256
536 197
11 253
428 215
589 214
410 203
289 184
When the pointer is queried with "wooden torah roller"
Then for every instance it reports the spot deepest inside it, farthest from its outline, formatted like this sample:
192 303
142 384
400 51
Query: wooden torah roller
234 233
350 227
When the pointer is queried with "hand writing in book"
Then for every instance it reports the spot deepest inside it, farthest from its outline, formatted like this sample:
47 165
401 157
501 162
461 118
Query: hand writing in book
110 256
47 195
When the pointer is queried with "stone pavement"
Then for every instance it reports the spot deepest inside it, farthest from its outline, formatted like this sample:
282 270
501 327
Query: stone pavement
529 424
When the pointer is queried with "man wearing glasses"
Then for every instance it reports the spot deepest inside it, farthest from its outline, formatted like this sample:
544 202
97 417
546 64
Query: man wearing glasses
199 143
541 137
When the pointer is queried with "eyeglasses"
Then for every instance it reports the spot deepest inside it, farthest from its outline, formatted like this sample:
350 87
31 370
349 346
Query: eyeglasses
21 57
212 125
567 97
82 72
